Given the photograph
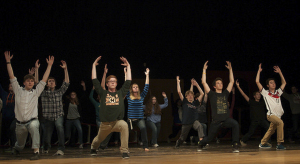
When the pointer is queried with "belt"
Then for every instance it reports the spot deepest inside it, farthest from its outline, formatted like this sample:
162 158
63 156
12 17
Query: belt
26 121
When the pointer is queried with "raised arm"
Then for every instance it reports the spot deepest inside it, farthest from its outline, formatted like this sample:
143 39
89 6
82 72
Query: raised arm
94 71
179 89
231 78
192 85
283 82
205 98
241 91
50 61
199 89
104 77
147 76
165 104
205 85
8 58
83 85
37 66
127 65
64 66
260 87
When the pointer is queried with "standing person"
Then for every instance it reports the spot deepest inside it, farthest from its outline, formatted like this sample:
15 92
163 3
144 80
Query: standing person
176 127
135 109
257 114
112 108
294 100
153 114
53 111
26 102
220 111
202 114
189 113
275 110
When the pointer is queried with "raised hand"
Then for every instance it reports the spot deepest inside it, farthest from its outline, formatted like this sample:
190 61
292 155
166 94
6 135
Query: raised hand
50 60
237 82
277 69
37 65
177 78
195 83
105 68
228 66
205 65
259 68
147 71
125 62
31 71
164 94
7 56
64 64
96 61
82 83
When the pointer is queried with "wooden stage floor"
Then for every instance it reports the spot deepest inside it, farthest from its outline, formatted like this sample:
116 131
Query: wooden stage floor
165 153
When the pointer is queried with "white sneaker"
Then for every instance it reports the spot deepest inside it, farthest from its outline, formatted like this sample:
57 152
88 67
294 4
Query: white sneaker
155 145
59 152
81 146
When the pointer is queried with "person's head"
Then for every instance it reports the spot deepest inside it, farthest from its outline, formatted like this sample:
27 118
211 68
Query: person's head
153 100
197 95
271 83
111 82
256 95
218 83
294 89
28 81
152 103
51 83
73 95
73 98
135 91
189 95
10 89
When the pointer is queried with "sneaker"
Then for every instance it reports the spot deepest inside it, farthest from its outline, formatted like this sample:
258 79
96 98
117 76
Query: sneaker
141 143
36 156
217 140
45 151
200 147
280 147
169 140
93 152
125 156
177 144
15 152
59 152
81 146
243 144
155 145
264 146
235 148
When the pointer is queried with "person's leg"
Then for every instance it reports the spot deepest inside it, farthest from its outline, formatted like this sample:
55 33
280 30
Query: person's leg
158 126
13 138
59 124
251 131
198 127
49 126
184 133
223 133
231 123
212 132
122 127
204 128
153 128
79 130
33 128
21 134
141 124
279 126
269 133
104 130
68 129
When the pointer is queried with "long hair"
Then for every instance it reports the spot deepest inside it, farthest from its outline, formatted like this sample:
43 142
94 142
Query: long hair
132 97
149 107
73 100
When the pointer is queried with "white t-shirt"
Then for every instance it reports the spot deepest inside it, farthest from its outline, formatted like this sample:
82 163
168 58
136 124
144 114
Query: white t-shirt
273 102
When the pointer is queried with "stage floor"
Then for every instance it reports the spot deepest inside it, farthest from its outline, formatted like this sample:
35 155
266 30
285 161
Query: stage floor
165 153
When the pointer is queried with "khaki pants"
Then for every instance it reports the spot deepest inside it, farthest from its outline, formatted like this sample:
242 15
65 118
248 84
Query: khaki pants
276 123
108 127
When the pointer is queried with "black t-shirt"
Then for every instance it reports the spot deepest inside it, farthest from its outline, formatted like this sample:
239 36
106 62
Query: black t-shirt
219 105
202 117
189 111
257 110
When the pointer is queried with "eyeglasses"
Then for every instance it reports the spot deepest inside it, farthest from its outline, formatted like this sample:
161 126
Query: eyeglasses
112 81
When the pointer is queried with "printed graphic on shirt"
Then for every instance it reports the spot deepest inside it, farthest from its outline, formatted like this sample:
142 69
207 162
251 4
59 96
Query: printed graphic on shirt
275 95
191 106
221 105
112 100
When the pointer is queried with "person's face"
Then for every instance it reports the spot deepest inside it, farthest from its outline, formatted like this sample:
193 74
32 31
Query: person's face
294 90
73 95
51 83
10 88
272 84
153 100
29 83
219 85
112 83
257 96
135 88
190 97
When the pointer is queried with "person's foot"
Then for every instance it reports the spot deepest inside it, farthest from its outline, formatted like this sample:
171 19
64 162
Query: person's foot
243 144
125 156
280 147
36 156
93 152
81 146
15 152
264 146
200 147
59 152
45 151
235 148
217 140
146 149
141 143
155 145
177 144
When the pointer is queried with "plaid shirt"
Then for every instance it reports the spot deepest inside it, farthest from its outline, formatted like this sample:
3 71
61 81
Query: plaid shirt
52 102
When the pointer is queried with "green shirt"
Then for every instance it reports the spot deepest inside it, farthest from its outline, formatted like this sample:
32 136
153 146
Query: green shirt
112 103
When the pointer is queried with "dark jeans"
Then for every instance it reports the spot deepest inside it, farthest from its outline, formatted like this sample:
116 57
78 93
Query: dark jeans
186 129
142 126
77 124
155 127
216 125
9 131
49 126
42 132
175 129
254 124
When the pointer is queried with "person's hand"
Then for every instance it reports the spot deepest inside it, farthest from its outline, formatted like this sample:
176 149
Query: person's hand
31 71
82 83
50 60
37 65
125 62
205 65
105 68
177 78
96 61
195 83
147 71
164 94
228 66
237 83
7 56
277 69
64 64
259 68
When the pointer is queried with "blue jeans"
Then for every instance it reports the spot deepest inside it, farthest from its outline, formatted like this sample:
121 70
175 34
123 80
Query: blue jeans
142 126
49 126
77 124
155 127
22 132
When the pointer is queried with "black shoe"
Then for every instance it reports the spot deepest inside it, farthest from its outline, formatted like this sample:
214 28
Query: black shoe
200 146
125 156
93 152
15 152
36 156
235 148
177 144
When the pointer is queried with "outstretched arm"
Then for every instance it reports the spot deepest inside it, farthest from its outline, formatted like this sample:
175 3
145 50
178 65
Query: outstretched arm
94 72
37 66
127 65
205 85
192 85
283 82
231 78
104 77
205 98
241 91
199 89
8 64
178 88
64 66
260 87
147 76
50 61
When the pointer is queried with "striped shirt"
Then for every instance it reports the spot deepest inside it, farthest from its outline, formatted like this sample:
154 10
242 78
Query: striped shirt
52 102
135 107
273 102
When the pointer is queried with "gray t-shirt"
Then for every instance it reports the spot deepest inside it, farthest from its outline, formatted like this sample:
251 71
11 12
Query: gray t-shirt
294 100
73 112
